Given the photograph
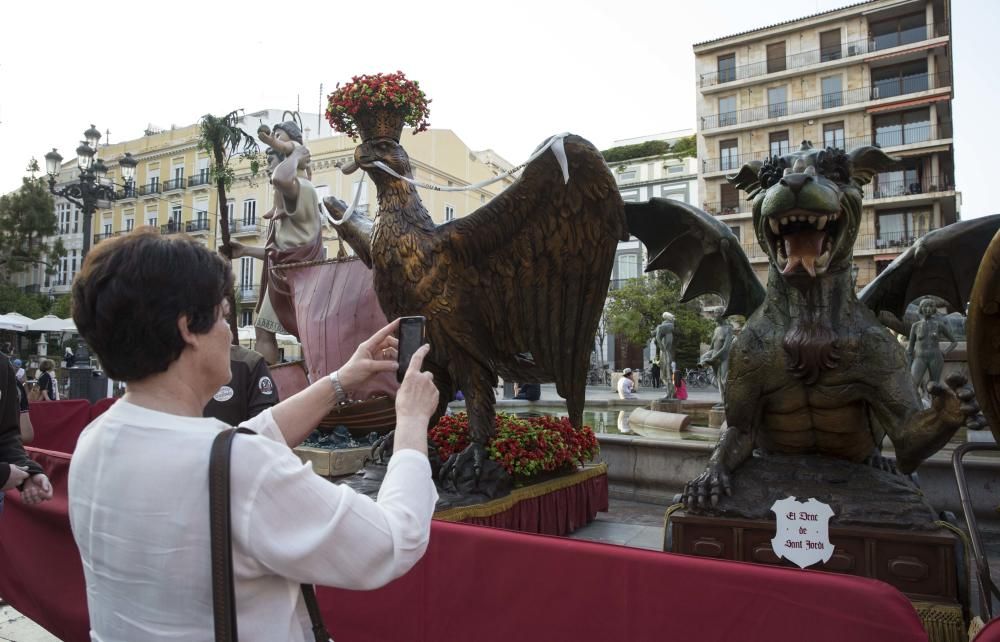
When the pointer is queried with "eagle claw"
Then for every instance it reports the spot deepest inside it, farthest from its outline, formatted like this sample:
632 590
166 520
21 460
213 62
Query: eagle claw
456 469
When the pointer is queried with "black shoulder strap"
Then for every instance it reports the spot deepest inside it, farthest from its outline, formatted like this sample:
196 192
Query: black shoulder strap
223 590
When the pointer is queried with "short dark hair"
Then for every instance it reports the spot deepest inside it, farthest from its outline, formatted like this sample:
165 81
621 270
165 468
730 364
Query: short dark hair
132 289
291 128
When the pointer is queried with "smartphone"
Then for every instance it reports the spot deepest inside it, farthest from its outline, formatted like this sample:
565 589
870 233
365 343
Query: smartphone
411 337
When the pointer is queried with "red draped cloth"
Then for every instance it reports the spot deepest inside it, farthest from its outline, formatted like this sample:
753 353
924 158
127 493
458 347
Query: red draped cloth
58 424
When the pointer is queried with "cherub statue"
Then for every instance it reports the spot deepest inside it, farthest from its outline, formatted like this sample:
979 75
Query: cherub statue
924 349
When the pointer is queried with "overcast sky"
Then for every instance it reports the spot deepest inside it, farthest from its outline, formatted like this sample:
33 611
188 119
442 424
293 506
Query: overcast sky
502 75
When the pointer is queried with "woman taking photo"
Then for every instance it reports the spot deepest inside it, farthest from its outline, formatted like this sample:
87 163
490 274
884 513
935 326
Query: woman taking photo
154 312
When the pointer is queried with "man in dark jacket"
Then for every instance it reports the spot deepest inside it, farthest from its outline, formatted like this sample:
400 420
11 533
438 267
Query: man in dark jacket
248 393
16 470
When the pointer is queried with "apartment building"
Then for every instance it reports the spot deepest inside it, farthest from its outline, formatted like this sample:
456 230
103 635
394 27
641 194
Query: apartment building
640 178
173 192
872 73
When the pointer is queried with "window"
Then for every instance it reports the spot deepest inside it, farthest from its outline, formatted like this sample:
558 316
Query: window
833 135
778 143
626 174
154 181
246 317
630 195
903 128
898 31
899 79
627 266
901 181
174 225
776 57
829 45
832 92
675 195
129 224
727 111
729 153
107 229
249 212
729 198
72 265
449 213
230 208
777 102
363 198
151 221
203 172
246 272
727 68
675 169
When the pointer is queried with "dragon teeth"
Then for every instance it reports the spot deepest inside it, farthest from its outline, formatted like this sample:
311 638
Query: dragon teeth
820 222
774 226
812 220
784 221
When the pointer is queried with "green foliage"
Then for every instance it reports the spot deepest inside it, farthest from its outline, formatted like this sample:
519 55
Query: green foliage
27 218
682 148
14 299
635 309
62 306
223 138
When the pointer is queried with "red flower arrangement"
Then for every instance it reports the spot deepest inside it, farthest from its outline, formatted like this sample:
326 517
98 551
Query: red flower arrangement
373 93
524 447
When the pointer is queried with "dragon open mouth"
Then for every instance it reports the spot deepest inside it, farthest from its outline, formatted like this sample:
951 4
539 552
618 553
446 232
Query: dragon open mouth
802 240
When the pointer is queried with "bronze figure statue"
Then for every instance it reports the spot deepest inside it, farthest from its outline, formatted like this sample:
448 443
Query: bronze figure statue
718 354
664 337
924 347
814 372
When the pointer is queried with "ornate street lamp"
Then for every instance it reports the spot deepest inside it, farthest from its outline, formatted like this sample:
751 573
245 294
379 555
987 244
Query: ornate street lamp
89 188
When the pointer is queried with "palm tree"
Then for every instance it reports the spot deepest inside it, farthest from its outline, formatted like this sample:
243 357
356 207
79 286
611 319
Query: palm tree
222 138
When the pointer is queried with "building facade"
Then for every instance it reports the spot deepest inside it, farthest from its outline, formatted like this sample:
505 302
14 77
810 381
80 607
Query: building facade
873 73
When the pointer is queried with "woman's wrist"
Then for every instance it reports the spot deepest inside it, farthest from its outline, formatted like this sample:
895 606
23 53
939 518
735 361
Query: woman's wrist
340 393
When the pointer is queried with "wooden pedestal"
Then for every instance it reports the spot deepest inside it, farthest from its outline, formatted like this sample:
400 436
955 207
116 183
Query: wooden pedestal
921 564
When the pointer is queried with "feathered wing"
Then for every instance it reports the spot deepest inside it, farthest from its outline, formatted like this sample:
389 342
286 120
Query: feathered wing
703 252
539 257
941 263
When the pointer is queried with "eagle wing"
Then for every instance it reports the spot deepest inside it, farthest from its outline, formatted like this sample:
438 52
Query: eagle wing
941 263
538 260
699 249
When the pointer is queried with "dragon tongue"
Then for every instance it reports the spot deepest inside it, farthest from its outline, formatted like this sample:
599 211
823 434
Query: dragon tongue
802 248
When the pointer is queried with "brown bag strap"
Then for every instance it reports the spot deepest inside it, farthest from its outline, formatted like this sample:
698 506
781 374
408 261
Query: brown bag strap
223 590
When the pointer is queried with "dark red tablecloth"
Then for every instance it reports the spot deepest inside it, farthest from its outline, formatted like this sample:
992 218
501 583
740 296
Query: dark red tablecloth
485 584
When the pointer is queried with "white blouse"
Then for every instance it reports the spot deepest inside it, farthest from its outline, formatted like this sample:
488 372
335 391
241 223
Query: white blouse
138 506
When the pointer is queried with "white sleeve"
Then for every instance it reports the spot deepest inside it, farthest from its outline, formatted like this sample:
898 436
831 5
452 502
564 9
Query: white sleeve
302 527
264 424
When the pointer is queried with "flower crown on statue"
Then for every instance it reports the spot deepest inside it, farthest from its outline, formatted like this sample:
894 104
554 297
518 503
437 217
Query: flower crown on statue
374 106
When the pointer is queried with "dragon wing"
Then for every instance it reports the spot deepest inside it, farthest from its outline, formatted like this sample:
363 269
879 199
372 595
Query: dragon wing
538 259
984 336
941 263
699 249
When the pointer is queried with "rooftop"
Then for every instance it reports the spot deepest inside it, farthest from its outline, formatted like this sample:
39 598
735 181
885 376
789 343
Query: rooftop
785 22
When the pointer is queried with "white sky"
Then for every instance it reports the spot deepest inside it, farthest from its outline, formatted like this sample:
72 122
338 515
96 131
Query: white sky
502 75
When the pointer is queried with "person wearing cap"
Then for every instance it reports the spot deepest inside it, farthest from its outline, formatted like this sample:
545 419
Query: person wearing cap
626 385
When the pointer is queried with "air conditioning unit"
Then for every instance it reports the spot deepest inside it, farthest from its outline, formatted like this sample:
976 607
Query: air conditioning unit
853 50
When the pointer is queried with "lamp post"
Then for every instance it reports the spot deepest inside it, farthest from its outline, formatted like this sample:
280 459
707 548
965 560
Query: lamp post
89 187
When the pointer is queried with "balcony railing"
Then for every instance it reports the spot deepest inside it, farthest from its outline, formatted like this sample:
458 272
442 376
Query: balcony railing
903 187
247 293
194 227
127 191
886 138
172 227
877 91
172 184
106 235
241 226
149 189
717 208
198 179
825 54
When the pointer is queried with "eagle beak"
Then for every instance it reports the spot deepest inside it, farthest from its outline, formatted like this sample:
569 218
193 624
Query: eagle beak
349 167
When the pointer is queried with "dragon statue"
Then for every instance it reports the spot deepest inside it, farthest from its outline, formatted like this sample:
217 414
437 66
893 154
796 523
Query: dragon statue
814 372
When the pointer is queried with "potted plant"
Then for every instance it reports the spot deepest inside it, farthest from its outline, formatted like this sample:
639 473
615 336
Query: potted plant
378 105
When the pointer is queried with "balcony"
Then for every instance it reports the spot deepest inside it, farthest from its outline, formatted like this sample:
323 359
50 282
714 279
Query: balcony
909 135
247 293
243 227
173 184
199 180
878 91
196 227
150 189
845 50
106 235
718 208
901 188
126 192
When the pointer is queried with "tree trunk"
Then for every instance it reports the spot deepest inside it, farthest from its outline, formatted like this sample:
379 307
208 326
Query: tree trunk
223 213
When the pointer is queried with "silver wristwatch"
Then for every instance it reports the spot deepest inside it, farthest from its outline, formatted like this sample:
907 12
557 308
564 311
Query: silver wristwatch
338 388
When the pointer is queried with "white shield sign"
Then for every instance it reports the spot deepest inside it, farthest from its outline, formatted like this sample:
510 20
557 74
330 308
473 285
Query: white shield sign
803 535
